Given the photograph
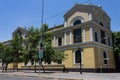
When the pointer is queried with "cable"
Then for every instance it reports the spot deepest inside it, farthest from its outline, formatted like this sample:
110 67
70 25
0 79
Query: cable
55 15
49 18
63 12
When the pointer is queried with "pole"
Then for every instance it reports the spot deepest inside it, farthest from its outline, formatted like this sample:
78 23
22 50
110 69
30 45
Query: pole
40 63
100 62
80 68
79 51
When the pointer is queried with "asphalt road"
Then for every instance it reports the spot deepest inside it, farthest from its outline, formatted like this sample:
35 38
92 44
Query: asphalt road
6 77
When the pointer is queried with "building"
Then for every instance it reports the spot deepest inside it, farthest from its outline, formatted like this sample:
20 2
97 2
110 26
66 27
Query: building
88 27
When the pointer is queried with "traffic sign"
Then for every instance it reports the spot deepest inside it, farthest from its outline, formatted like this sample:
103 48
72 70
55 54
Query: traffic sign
41 53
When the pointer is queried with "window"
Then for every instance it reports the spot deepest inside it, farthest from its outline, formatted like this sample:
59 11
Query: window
59 41
101 24
77 22
105 58
96 37
102 37
109 41
77 36
78 58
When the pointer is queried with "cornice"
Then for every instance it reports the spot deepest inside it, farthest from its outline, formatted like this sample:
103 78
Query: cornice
100 27
70 28
84 45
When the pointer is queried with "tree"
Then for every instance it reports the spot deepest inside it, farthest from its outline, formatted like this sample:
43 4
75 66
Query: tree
32 43
6 54
48 50
17 47
59 56
116 47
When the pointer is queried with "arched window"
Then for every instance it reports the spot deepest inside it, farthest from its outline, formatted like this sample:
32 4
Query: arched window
77 22
78 57
105 57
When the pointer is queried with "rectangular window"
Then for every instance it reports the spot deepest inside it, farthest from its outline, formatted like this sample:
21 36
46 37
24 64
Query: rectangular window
109 41
59 41
102 37
96 37
77 36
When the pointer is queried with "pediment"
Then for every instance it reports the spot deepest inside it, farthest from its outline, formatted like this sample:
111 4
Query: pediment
77 8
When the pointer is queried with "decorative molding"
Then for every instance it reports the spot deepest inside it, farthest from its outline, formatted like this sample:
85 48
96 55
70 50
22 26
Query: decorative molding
84 45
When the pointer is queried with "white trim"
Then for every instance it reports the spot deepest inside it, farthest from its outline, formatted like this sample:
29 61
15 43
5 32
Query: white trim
90 16
77 18
64 38
65 24
84 35
70 37
54 41
81 57
91 34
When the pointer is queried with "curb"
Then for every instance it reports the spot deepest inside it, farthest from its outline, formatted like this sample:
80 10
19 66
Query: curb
41 77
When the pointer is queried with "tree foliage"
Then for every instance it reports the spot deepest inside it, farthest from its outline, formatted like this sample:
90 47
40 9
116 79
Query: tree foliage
32 42
116 45
59 56
6 54
17 48
25 46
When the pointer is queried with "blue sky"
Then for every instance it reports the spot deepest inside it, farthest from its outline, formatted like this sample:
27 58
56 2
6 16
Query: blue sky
26 13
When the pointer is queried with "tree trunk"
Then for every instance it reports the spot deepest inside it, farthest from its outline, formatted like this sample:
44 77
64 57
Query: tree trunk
35 67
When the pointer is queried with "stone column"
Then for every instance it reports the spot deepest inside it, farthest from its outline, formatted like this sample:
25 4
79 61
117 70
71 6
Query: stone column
65 38
65 24
70 37
84 36
54 41
90 16
91 34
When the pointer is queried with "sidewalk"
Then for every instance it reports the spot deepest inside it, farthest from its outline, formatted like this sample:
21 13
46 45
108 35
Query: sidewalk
70 75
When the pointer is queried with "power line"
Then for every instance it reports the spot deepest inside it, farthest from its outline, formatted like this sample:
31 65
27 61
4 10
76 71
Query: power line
55 15
49 18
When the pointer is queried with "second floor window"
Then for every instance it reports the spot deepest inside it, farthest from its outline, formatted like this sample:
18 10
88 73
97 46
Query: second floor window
102 37
96 37
77 36
59 41
77 22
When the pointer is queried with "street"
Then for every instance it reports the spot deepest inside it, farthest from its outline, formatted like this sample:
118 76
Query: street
7 77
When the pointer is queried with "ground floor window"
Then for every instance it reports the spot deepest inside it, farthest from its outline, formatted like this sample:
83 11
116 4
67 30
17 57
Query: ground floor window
105 56
78 57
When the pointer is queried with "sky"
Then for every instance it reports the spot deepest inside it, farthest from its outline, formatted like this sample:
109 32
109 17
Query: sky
26 13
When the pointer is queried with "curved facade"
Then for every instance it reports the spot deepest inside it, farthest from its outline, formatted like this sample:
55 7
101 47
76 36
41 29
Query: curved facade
88 27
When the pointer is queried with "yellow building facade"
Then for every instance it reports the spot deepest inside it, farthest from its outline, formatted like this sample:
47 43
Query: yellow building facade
88 27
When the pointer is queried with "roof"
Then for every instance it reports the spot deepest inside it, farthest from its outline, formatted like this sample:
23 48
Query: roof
84 8
56 27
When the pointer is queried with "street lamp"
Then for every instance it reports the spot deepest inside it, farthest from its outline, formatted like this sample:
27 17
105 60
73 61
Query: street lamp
100 62
79 52
41 44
